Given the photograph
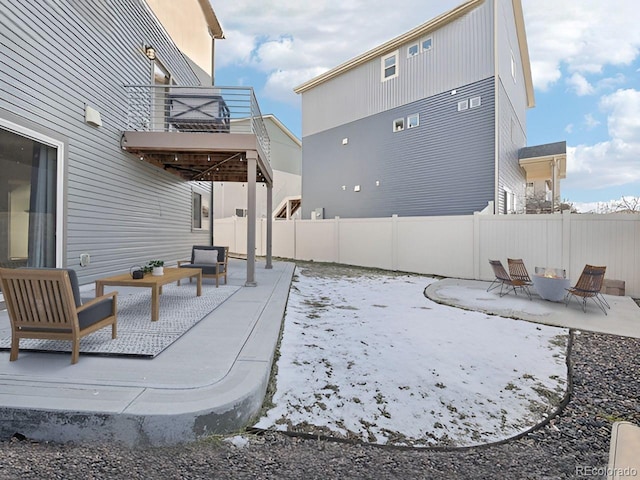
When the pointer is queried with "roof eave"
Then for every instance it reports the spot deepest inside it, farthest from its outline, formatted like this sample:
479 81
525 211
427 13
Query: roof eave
524 52
393 44
215 29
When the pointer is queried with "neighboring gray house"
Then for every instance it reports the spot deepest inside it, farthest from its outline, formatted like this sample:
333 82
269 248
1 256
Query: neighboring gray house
106 160
428 123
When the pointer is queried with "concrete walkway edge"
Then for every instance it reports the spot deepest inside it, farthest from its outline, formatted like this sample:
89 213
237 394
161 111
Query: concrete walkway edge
152 414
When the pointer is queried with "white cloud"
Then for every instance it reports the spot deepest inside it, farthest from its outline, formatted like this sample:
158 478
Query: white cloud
278 85
590 121
616 161
291 42
282 35
580 85
582 36
624 118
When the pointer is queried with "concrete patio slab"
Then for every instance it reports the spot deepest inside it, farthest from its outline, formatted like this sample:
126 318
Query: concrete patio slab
623 318
212 380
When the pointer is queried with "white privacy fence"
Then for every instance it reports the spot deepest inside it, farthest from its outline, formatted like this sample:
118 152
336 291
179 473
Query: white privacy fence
456 246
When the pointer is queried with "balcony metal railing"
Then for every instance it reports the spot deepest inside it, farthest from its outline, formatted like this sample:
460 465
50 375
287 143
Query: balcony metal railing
172 108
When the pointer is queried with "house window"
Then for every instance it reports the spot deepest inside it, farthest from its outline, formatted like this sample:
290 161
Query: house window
413 120
426 44
509 201
475 102
398 125
31 208
463 105
390 66
200 210
413 50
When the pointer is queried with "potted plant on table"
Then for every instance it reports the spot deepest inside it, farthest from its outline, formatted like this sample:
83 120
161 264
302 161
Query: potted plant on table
156 267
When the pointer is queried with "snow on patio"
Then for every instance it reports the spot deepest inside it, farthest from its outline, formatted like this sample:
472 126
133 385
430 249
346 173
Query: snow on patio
366 356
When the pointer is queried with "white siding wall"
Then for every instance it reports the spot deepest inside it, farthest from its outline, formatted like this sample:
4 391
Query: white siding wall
55 57
457 246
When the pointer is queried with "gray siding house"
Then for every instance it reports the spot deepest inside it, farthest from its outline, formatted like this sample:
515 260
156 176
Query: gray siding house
428 123
98 169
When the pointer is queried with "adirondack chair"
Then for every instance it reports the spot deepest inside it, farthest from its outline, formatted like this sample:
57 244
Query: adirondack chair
46 304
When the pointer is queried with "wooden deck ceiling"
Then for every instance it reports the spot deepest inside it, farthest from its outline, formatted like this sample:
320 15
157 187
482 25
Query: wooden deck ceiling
217 157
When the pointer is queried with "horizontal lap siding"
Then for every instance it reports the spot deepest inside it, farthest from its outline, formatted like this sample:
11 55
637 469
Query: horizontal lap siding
445 166
55 57
511 138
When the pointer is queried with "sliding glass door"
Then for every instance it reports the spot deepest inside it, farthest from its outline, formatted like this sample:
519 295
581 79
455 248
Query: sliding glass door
29 200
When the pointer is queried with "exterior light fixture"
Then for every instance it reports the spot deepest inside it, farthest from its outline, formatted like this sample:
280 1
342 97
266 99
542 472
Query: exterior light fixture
175 158
150 52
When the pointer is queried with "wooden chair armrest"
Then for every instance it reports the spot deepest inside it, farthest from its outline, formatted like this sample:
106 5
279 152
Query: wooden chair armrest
93 301
180 262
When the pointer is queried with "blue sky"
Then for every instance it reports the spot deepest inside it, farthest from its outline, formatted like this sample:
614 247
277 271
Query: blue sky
585 60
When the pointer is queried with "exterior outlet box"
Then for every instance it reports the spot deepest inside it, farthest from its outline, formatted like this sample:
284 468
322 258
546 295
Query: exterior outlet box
85 259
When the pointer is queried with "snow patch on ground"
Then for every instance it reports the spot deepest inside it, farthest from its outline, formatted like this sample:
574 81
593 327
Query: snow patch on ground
369 357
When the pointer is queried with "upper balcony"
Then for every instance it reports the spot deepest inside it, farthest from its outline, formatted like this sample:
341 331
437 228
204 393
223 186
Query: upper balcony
197 132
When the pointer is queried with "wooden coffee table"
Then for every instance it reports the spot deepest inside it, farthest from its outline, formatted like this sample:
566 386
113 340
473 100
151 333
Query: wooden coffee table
155 283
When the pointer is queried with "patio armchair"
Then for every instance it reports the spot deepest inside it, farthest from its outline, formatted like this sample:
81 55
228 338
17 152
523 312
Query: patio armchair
588 286
211 260
45 303
517 270
506 282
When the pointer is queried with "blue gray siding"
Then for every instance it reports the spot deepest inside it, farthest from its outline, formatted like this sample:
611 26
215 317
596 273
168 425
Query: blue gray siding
55 57
445 166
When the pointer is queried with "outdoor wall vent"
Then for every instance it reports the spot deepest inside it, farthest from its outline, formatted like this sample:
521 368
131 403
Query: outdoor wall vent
92 116
345 141
356 188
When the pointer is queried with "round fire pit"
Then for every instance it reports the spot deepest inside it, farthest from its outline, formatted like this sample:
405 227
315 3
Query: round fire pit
550 283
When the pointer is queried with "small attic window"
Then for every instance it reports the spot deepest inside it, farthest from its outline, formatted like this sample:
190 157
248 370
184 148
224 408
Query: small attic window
475 102
413 50
427 43
413 120
398 125
463 105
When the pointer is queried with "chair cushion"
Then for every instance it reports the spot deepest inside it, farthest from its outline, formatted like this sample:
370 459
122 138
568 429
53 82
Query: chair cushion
207 269
205 257
95 313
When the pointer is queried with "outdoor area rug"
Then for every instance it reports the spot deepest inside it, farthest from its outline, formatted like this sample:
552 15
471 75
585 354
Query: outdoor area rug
180 309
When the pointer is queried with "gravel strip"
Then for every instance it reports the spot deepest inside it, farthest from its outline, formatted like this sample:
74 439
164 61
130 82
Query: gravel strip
574 445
